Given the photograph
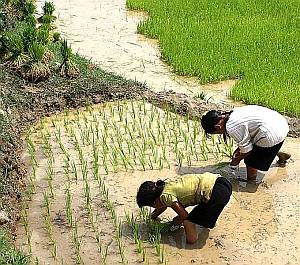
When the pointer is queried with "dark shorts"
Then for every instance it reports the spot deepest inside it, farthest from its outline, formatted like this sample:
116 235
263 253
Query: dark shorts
261 158
206 213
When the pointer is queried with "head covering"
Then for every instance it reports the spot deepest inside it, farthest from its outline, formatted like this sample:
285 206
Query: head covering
209 120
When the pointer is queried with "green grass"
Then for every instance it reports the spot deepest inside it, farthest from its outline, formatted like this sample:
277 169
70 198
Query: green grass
256 41
8 254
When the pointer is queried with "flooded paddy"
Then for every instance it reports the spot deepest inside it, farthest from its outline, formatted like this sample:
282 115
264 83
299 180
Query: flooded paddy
106 32
85 167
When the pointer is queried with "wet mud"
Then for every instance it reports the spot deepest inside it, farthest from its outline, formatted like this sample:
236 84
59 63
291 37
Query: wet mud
260 224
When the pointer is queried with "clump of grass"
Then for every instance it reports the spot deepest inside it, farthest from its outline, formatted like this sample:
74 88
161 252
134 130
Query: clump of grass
35 69
14 45
67 67
47 17
8 253
56 37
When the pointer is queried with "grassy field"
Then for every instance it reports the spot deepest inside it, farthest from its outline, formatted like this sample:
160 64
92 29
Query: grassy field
255 41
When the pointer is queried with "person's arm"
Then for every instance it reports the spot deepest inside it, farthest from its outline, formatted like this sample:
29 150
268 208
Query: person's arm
238 156
243 139
180 210
158 211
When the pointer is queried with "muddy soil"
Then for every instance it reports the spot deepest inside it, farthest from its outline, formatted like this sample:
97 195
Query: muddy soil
276 211
258 218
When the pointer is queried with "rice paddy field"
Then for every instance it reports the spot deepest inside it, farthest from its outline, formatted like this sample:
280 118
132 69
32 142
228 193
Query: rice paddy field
85 167
254 41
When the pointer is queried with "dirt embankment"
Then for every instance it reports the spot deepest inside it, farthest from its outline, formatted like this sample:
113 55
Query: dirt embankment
25 103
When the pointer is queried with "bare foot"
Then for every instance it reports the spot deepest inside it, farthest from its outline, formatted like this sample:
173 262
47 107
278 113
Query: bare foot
283 157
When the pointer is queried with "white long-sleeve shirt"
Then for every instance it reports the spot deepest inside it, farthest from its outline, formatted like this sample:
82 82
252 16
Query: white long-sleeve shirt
257 125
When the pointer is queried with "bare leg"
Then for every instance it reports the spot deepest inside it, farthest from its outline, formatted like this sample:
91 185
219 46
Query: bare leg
251 173
190 232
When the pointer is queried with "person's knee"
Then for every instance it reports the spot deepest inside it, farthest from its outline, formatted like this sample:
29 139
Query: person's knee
191 239
190 232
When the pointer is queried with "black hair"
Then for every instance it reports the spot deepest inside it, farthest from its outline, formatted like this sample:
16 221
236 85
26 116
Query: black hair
211 119
148 192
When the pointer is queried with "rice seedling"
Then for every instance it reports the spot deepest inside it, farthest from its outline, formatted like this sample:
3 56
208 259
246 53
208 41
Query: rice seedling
47 148
68 205
102 249
224 41
132 222
120 242
35 69
155 229
25 222
36 261
74 170
67 67
48 224
76 242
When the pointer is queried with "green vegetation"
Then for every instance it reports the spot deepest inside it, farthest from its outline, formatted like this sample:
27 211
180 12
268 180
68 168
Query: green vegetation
255 41
8 254
24 45
31 49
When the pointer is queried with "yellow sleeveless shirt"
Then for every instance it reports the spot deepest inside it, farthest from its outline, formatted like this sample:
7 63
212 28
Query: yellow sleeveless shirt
189 189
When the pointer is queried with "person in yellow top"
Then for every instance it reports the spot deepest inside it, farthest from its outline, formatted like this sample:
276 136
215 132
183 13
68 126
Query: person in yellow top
209 192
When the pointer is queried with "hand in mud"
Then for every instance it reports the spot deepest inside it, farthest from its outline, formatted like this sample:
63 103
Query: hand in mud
155 218
235 158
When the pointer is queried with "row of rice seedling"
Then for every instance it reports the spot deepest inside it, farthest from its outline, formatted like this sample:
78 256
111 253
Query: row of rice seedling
82 150
70 165
254 41
147 143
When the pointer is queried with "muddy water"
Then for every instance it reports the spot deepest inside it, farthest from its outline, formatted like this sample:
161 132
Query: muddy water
259 225
105 31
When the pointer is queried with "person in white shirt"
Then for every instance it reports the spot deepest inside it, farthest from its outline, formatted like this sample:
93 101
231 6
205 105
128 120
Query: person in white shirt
258 131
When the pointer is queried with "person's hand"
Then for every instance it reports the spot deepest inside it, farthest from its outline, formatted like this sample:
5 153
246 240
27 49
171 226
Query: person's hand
154 216
233 167
236 153
235 159
234 163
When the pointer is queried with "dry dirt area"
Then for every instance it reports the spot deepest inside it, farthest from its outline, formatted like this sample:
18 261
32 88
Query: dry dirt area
84 169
